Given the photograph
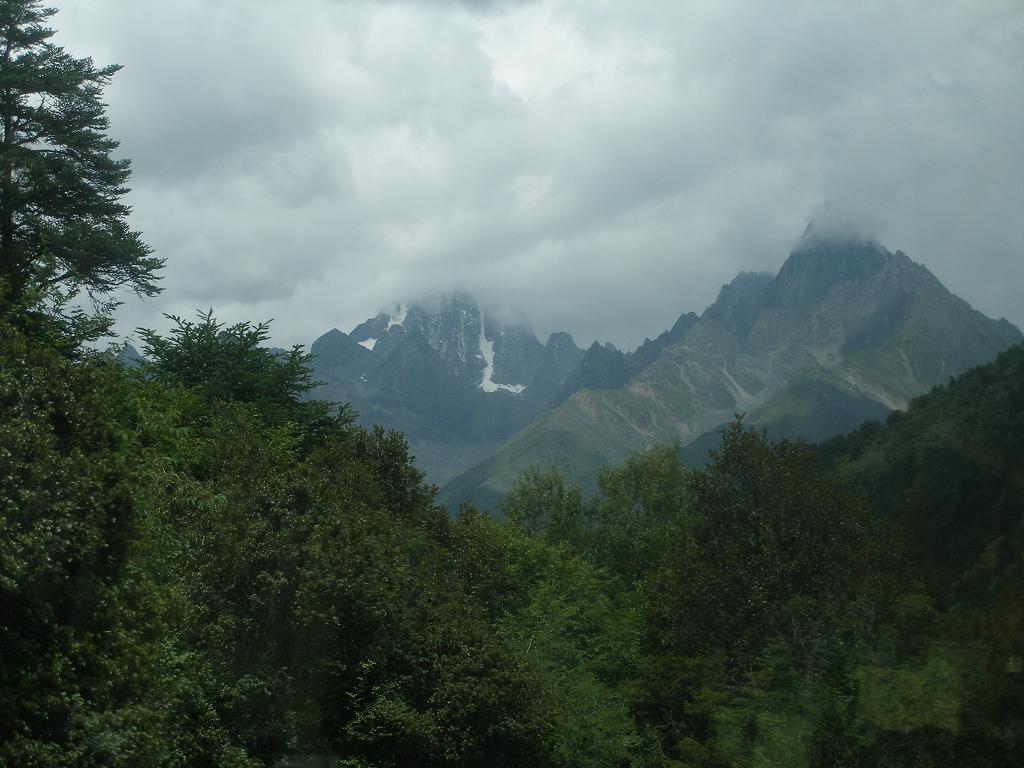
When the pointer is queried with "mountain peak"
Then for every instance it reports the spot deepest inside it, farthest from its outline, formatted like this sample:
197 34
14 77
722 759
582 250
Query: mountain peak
683 325
601 367
560 340
841 222
818 264
441 302
740 302
336 349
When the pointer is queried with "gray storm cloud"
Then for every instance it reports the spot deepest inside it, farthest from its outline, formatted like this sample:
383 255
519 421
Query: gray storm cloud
600 167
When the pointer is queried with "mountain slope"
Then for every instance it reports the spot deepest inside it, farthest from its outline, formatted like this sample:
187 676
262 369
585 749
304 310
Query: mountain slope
845 329
951 471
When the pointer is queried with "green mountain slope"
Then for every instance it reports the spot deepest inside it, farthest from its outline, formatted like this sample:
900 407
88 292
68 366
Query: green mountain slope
816 405
951 470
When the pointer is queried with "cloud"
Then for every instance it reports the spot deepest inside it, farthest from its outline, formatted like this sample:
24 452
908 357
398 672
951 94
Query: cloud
600 167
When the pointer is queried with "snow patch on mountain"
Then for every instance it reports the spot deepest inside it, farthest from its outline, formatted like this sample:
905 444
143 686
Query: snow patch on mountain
368 343
403 312
487 384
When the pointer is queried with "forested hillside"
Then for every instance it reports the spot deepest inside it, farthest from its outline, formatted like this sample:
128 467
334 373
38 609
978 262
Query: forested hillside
951 470
201 569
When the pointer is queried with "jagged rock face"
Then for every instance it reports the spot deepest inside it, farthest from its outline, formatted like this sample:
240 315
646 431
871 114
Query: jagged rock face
471 345
648 352
560 358
518 354
817 266
414 377
740 302
451 329
601 368
336 349
375 335
821 292
445 373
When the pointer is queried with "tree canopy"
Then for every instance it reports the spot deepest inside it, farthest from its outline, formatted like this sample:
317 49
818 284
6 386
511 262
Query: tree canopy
63 221
231 364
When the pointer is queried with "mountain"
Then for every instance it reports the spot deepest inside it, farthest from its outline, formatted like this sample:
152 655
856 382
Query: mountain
845 331
602 367
647 352
950 472
456 380
129 356
559 362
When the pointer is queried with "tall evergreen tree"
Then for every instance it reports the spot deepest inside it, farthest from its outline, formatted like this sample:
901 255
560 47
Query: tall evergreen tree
62 219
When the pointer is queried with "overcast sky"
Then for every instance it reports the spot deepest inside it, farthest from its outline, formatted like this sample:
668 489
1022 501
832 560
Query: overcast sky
600 166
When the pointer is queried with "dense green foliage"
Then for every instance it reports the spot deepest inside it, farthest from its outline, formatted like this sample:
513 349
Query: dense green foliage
195 571
950 471
230 365
189 579
197 568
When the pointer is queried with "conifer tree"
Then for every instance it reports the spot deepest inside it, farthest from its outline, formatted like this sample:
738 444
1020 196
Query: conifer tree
62 216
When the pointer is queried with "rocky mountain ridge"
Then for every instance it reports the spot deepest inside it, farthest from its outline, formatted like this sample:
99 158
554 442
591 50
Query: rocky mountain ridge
455 379
845 331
